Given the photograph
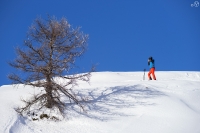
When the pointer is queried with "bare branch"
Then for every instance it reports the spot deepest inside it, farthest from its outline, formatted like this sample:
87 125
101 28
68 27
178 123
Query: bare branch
50 51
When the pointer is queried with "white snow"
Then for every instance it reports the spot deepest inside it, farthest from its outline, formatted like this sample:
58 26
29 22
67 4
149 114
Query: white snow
119 102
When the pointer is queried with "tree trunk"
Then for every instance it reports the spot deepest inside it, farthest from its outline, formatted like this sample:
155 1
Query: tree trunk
49 93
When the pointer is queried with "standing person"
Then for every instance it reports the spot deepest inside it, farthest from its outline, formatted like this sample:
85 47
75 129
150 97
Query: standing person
151 64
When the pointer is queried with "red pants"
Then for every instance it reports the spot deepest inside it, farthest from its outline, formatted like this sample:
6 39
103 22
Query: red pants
152 72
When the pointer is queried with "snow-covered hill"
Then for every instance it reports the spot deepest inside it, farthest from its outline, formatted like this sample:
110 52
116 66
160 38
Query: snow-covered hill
119 102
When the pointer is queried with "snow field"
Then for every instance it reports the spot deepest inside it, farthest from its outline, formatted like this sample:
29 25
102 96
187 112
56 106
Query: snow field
118 102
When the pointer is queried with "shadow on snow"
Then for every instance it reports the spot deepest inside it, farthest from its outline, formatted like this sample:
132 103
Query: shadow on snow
106 104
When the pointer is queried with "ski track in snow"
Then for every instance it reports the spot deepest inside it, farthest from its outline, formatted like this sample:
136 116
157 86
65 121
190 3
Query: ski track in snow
8 124
118 102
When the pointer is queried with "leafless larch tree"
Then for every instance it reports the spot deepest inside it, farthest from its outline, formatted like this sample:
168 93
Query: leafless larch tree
50 51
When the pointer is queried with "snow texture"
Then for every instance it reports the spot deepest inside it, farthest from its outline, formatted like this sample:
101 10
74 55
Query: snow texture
118 102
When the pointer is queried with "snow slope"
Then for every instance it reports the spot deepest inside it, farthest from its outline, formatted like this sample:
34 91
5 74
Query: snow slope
119 102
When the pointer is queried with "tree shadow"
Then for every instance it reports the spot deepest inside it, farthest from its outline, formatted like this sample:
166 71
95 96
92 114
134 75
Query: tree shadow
105 105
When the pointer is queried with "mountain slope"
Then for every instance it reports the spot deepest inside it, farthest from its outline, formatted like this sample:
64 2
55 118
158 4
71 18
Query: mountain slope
117 102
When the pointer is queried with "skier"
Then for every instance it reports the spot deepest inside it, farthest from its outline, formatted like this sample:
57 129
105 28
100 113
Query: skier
151 64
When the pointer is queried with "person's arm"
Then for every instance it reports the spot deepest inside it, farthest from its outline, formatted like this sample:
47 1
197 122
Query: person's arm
148 62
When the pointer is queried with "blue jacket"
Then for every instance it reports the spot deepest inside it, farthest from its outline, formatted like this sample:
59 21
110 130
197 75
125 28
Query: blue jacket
152 64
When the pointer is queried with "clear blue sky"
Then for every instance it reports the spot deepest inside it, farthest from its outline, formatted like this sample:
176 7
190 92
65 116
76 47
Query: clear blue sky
122 33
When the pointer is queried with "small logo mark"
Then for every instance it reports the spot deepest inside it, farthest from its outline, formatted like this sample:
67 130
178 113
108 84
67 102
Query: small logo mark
196 4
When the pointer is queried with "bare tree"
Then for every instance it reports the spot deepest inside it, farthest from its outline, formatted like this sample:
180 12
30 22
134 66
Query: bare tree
50 52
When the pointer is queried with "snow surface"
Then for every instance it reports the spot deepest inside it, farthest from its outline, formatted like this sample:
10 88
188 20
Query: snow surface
119 102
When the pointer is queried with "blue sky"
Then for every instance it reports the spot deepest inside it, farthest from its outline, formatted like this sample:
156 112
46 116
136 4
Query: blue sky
122 33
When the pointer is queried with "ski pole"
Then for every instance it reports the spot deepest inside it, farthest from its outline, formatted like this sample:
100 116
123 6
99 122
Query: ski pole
144 74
